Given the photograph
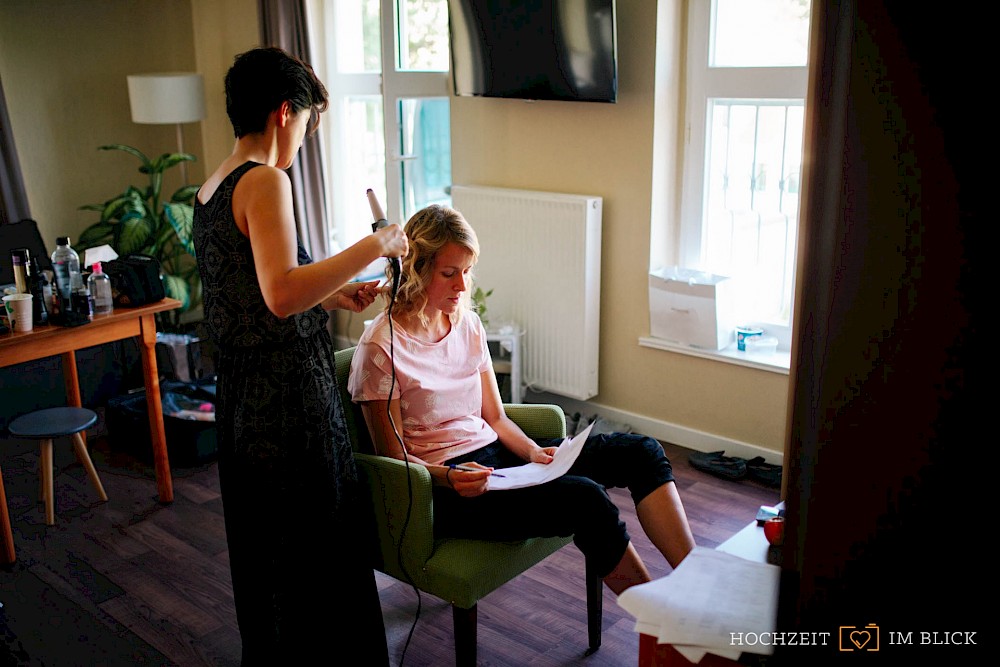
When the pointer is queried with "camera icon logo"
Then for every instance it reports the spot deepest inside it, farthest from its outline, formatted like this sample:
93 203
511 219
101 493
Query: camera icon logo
853 638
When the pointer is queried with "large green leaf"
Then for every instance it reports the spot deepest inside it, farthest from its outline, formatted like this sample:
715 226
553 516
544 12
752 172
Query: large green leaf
112 209
166 238
186 193
181 218
177 288
133 235
131 203
166 161
131 151
99 233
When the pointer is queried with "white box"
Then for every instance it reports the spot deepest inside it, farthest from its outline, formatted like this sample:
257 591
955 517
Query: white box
691 307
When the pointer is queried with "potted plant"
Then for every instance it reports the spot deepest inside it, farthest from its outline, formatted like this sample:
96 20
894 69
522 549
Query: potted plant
140 221
479 304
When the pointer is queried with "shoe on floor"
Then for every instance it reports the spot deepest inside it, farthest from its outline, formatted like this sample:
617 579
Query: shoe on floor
765 473
602 425
729 467
571 423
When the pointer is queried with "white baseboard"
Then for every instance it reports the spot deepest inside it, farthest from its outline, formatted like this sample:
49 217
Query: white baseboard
661 430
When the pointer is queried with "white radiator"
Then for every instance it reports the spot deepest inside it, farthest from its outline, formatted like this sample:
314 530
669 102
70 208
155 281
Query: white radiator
540 253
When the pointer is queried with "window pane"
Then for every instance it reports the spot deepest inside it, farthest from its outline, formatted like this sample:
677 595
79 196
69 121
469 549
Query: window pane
760 33
752 201
423 35
411 165
426 151
358 39
356 164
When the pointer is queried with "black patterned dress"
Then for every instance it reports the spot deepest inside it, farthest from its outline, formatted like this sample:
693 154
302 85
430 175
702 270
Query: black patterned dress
298 546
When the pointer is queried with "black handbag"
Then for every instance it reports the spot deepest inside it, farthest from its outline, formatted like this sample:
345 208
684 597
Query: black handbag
135 280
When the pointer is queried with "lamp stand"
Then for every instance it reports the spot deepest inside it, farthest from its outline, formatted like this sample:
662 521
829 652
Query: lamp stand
180 149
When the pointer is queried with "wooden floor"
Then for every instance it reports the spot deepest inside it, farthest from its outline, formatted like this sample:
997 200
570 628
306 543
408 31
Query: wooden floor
156 577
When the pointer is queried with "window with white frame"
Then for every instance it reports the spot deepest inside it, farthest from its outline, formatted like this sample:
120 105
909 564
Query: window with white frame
746 89
385 64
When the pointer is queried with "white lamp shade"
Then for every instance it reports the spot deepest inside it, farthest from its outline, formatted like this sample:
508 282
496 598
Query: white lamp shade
168 97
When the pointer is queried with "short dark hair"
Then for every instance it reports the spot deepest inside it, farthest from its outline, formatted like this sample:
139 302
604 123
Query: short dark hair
261 79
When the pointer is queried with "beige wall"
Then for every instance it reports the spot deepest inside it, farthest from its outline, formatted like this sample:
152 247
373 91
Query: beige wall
222 29
607 150
64 64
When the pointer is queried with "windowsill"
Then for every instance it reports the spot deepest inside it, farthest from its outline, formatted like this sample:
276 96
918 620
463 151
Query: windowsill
774 362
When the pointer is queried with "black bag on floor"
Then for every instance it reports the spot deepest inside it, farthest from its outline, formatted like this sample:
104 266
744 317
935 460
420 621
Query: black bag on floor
188 421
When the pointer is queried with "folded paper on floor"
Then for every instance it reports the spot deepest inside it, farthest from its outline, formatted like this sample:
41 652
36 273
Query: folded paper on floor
707 604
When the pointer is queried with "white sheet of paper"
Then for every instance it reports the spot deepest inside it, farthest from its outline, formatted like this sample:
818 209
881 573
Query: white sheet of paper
708 597
101 253
531 474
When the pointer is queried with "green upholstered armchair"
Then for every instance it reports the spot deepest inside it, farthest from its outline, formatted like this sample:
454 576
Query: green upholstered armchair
459 571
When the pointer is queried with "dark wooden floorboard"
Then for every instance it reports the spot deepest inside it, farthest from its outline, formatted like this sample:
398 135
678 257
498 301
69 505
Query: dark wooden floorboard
158 576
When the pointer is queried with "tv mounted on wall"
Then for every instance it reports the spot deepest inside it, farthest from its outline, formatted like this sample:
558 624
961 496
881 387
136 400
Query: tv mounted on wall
535 49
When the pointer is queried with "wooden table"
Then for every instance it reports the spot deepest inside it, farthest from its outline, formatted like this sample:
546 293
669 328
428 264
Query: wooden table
47 341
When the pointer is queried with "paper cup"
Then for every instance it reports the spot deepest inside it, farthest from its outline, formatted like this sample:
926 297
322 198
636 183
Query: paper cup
19 311
743 333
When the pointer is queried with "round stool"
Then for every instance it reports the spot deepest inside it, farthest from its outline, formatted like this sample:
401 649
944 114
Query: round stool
44 425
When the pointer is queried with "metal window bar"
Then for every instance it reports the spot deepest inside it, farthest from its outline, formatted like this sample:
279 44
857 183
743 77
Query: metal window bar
755 168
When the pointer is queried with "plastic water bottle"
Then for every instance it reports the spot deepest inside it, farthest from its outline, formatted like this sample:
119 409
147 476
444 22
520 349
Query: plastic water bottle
100 289
66 265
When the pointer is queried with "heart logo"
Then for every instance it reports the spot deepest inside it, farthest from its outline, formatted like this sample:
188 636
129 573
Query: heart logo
860 637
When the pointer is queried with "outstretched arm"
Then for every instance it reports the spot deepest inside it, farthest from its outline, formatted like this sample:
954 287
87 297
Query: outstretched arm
263 198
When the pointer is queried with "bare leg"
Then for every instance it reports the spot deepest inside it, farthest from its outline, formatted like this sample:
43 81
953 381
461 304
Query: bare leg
662 516
629 572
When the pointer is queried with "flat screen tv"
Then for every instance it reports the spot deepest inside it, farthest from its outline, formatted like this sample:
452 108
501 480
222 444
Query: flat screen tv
535 49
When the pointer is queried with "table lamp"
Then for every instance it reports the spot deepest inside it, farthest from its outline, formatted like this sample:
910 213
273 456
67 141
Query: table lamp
167 97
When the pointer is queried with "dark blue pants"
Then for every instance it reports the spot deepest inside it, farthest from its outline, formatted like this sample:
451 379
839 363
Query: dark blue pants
575 504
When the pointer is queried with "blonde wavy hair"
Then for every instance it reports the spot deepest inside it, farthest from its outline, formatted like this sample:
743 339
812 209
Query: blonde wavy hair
429 230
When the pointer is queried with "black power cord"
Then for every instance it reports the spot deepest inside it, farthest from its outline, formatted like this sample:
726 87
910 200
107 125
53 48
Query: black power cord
396 270
406 461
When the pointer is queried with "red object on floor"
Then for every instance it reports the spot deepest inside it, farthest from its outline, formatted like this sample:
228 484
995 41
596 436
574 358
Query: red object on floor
652 654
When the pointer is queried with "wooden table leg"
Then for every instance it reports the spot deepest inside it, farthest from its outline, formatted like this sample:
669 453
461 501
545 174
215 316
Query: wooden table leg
164 482
71 378
7 554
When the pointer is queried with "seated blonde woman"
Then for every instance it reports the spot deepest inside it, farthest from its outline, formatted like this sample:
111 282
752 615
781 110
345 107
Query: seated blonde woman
446 408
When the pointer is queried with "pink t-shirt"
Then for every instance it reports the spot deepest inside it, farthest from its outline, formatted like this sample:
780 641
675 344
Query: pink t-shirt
438 385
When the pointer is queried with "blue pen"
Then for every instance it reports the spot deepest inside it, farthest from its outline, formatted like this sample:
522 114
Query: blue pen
459 466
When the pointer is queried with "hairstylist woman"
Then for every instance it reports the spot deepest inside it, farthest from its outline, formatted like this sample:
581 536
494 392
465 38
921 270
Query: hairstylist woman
293 512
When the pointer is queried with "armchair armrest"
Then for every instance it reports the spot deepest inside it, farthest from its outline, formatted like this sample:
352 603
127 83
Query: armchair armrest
538 420
391 493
